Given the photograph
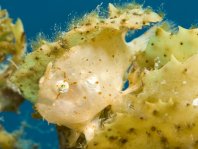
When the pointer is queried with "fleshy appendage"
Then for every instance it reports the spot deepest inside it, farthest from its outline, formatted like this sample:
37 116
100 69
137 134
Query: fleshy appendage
89 76
181 44
163 115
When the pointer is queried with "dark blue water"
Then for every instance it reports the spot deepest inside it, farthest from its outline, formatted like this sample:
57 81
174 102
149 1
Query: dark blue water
51 16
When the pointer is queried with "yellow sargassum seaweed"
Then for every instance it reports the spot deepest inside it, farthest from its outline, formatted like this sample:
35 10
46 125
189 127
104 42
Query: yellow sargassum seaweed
7 140
12 47
89 76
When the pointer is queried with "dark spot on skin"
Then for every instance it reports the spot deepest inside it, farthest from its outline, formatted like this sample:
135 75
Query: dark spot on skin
100 60
123 20
113 138
74 83
95 143
55 48
165 55
123 140
146 61
177 127
97 82
158 32
22 91
177 147
112 22
113 56
96 27
155 112
48 54
131 130
148 133
153 128
109 94
163 140
152 44
185 70
109 129
136 14
141 118
63 44
31 68
99 93
82 38
131 106
89 72
102 21
84 97
187 105
181 43
36 58
87 32
87 24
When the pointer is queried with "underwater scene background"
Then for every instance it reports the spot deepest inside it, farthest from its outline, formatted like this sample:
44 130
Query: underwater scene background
47 18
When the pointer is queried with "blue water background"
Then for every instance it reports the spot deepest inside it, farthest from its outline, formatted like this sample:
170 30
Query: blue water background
50 16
